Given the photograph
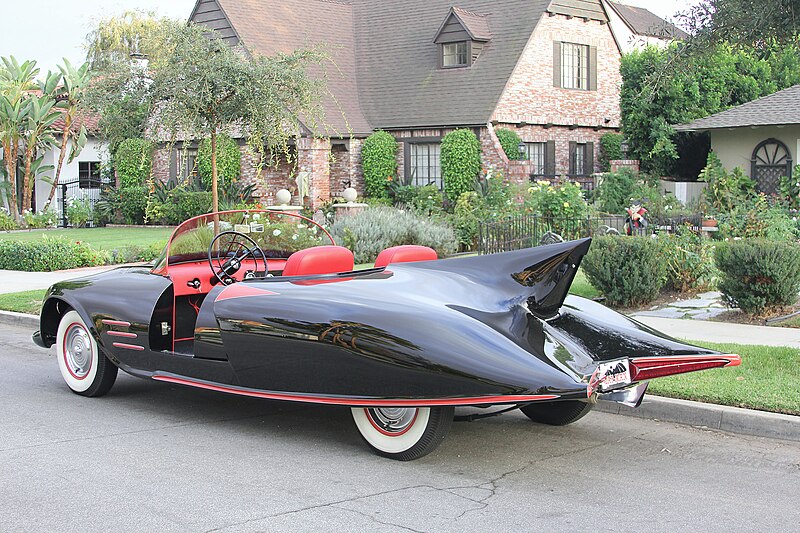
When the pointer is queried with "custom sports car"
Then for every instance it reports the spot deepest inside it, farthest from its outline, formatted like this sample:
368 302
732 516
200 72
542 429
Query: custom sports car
264 304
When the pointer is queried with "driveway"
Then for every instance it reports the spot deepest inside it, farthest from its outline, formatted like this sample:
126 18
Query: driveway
154 456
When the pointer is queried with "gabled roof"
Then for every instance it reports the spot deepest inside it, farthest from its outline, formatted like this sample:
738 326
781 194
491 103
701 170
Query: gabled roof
476 24
776 109
90 120
385 72
643 22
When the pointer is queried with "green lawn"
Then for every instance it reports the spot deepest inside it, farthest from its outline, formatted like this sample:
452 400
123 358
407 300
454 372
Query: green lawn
582 287
99 238
767 380
29 302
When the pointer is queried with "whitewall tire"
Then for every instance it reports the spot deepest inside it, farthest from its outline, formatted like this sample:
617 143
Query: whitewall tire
85 370
403 433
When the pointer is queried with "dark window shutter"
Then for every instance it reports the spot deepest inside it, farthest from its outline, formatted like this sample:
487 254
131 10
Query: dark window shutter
589 163
556 64
550 159
592 68
572 151
173 164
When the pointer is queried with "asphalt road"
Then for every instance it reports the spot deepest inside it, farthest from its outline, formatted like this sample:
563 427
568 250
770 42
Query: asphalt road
157 457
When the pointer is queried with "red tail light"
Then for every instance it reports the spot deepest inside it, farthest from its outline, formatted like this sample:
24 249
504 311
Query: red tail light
643 368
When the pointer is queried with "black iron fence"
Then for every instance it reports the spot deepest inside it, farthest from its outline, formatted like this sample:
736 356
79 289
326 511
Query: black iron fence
87 191
527 231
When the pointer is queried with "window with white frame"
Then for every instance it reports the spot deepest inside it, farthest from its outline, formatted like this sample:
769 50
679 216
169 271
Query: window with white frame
574 66
424 164
454 54
89 174
580 159
536 154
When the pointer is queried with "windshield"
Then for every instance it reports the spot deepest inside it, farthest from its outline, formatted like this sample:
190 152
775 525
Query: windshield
277 233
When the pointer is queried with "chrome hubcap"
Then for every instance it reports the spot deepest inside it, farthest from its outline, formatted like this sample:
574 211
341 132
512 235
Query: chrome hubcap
78 351
393 419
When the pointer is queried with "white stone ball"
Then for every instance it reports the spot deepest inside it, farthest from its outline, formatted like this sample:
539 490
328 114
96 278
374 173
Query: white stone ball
283 197
350 195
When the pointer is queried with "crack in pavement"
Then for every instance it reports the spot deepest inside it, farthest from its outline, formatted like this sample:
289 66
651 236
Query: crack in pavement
374 519
494 482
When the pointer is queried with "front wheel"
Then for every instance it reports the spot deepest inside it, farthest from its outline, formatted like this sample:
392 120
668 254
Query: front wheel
85 369
403 433
556 413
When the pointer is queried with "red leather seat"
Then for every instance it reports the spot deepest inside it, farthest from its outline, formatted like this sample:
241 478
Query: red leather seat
407 253
319 260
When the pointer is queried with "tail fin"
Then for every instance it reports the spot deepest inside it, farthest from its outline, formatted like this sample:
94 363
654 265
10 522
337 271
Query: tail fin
543 274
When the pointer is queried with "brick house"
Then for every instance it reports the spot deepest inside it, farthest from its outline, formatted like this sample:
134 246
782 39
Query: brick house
548 70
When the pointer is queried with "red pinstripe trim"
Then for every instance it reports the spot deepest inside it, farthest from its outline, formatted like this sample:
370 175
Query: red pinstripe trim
732 359
370 402
120 323
122 334
128 346
240 290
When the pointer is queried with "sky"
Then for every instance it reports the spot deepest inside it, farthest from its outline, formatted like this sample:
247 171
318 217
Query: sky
47 30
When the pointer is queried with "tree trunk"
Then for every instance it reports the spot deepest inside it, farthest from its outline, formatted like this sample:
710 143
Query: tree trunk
214 185
64 141
26 179
11 166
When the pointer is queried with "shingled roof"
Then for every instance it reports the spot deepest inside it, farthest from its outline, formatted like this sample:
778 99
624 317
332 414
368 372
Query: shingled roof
386 71
643 22
776 109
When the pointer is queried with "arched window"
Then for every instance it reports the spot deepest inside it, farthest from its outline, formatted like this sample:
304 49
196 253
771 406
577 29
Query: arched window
770 162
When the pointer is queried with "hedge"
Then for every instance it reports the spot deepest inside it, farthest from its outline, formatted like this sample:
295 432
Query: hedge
229 161
509 140
460 161
133 161
49 254
379 163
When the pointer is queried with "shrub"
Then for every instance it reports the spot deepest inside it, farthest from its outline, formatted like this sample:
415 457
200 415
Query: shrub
187 204
610 149
229 161
133 161
460 161
425 200
628 270
7 222
46 218
758 275
689 260
79 212
131 203
614 193
369 232
558 201
134 253
48 254
492 200
725 190
379 163
509 140
758 221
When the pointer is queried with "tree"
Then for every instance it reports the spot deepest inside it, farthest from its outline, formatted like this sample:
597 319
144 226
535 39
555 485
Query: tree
196 86
40 116
654 97
16 80
74 84
747 23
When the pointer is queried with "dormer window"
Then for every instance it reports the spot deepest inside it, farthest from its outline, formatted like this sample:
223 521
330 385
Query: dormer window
461 38
454 54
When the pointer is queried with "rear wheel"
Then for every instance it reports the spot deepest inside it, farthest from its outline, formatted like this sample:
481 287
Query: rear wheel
403 433
85 369
556 413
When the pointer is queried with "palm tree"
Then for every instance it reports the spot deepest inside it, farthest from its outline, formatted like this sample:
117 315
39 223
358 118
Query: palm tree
74 83
16 80
41 116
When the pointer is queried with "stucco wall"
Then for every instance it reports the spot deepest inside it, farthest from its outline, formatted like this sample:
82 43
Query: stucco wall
735 147
93 151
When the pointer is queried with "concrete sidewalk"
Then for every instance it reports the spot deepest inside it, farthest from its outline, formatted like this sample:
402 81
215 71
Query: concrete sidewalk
17 281
704 330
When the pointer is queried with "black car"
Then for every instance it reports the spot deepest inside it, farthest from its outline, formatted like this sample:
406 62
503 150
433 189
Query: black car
264 304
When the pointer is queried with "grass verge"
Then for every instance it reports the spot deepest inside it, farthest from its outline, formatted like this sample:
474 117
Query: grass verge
768 380
29 302
99 238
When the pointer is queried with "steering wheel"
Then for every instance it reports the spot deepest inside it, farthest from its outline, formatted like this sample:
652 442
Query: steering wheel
228 250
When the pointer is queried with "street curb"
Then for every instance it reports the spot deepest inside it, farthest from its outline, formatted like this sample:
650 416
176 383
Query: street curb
712 416
10 318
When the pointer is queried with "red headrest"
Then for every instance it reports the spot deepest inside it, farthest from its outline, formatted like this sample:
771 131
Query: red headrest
405 254
319 260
